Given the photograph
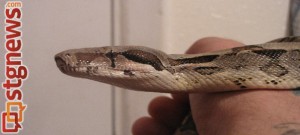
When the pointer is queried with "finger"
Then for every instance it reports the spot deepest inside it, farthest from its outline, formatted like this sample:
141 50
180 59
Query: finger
201 46
149 126
181 98
167 111
207 45
212 44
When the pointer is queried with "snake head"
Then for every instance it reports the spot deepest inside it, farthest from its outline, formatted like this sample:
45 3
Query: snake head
115 65
85 62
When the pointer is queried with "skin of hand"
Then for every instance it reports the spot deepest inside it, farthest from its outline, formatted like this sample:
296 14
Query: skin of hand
259 112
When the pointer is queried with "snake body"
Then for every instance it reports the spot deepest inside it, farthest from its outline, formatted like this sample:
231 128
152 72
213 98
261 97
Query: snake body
272 65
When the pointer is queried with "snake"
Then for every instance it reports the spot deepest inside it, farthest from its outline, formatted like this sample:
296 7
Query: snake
273 65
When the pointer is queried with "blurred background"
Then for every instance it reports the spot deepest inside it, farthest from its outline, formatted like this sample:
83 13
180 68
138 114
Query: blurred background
61 105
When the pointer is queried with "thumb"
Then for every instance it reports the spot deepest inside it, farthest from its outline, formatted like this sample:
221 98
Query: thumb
212 44
206 45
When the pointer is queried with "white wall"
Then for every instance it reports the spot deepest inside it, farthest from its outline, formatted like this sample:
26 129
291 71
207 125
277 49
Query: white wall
59 104
139 23
62 105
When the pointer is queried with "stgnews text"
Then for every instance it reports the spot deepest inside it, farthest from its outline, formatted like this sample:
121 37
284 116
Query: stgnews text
15 71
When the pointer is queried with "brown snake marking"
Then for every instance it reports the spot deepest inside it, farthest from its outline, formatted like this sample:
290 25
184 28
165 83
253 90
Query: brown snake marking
208 70
111 57
197 59
144 58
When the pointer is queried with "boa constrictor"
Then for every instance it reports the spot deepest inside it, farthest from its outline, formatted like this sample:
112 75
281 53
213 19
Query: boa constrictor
272 65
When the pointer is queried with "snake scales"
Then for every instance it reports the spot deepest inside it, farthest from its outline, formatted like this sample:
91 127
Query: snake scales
272 65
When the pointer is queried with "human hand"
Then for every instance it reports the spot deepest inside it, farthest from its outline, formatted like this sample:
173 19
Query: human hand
224 113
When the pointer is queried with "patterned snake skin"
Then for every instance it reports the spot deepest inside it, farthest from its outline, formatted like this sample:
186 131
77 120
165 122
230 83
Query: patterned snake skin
273 65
